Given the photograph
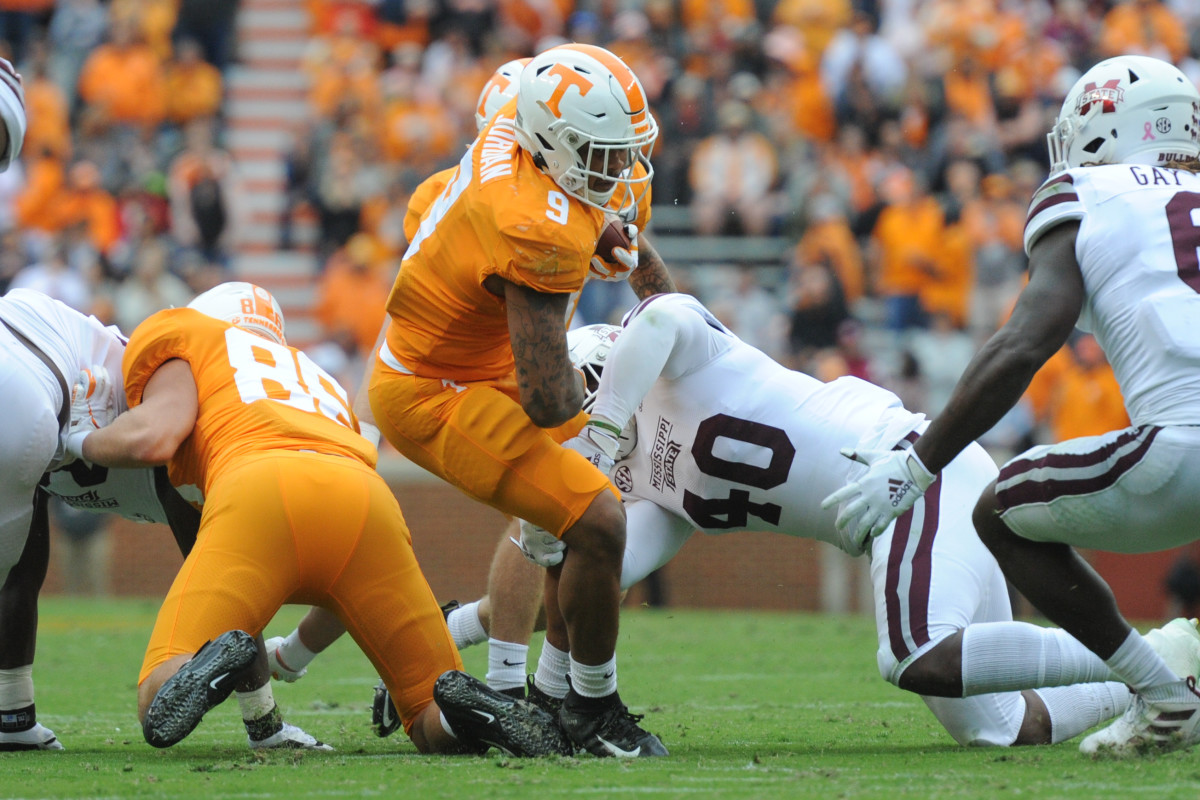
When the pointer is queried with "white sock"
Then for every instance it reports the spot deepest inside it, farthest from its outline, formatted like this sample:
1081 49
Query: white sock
256 703
553 667
465 626
294 655
1074 709
594 681
16 687
506 664
1012 656
1136 663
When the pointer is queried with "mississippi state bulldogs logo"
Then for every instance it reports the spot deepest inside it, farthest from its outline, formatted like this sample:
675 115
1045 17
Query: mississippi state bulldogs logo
1108 95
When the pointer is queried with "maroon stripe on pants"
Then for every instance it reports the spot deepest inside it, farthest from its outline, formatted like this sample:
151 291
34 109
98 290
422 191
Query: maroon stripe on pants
1032 491
921 575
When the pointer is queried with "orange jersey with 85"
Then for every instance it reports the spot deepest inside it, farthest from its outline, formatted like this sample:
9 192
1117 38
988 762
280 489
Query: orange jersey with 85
254 394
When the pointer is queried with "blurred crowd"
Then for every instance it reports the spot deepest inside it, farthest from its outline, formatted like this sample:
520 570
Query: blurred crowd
896 143
893 144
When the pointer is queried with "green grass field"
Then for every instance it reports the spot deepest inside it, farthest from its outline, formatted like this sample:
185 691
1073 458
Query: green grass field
751 705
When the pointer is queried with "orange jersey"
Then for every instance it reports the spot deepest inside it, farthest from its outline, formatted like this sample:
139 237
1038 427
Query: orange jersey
422 198
254 394
498 215
429 189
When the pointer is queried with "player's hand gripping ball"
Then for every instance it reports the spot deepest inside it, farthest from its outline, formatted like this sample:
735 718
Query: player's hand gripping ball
616 251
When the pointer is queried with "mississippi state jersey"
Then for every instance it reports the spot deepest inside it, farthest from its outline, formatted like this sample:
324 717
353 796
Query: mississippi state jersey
71 340
498 215
1138 248
733 441
254 394
129 493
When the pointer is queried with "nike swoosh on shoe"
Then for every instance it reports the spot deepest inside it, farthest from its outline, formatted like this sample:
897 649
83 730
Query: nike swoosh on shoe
617 751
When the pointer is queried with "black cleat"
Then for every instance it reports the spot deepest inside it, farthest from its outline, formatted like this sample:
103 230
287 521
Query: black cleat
384 719
485 717
607 729
201 683
545 702
449 606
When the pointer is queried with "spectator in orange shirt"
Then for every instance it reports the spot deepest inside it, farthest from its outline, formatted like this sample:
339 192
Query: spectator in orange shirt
1143 27
193 85
352 295
121 82
47 111
1088 400
905 246
35 206
85 202
201 192
828 239
732 176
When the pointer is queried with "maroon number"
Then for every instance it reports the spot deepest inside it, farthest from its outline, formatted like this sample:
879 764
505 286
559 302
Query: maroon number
1185 237
734 511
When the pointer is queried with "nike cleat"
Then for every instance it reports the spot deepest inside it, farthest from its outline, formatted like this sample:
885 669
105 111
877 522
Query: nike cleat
542 700
39 737
607 729
201 683
289 737
482 717
448 607
384 719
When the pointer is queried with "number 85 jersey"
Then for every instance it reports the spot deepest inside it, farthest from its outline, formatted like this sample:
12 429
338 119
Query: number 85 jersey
254 395
731 440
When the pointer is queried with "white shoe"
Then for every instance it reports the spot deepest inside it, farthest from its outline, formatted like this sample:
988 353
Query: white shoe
1178 644
279 670
39 737
1160 719
289 737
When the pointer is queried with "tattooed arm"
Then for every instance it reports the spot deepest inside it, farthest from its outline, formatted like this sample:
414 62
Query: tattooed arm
651 276
551 389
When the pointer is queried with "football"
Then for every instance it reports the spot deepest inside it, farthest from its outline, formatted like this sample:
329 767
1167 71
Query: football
612 235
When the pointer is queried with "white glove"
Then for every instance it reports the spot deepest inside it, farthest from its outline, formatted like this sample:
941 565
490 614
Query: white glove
597 445
92 407
539 545
893 482
625 259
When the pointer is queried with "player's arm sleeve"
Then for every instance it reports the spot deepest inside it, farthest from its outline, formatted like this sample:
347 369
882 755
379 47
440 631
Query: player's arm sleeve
530 255
153 343
663 337
12 112
653 537
1056 201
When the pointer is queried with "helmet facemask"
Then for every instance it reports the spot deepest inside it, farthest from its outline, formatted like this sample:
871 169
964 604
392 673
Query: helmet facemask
583 116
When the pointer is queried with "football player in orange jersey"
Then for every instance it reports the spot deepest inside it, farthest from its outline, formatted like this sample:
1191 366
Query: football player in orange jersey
473 381
475 351
514 585
268 438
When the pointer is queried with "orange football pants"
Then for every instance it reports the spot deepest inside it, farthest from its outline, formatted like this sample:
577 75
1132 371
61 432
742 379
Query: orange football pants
298 527
477 437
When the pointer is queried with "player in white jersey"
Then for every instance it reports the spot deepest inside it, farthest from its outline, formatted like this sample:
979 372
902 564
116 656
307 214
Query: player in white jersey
1114 240
726 440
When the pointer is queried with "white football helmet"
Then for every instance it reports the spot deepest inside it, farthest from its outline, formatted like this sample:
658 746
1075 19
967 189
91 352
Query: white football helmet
499 89
1127 110
583 115
244 305
589 347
